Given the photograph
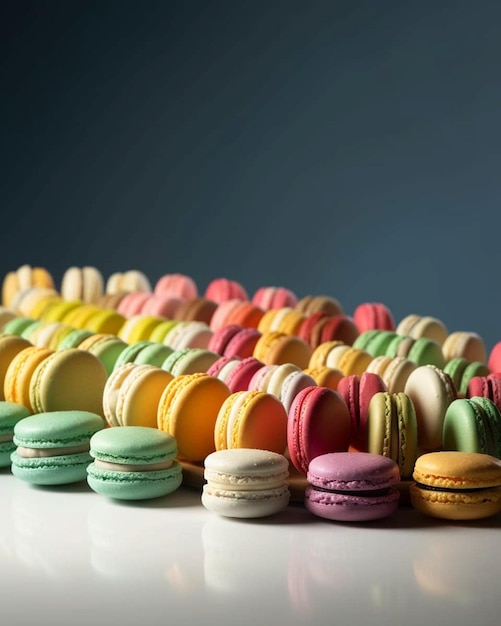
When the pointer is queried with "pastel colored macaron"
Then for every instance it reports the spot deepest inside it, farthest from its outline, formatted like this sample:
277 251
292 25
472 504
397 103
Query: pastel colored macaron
19 373
318 423
188 334
325 376
352 487
373 316
473 425
394 371
131 395
417 326
234 340
82 283
357 392
251 419
277 348
107 348
188 410
486 386
274 298
221 289
456 485
74 338
23 278
311 304
10 414
466 344
69 379
52 448
198 309
133 463
10 345
245 483
7 314
431 391
462 371
128 281
189 361
138 328
239 376
393 429
106 321
177 285
161 305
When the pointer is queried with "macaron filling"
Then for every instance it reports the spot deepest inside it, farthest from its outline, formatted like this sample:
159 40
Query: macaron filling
35 453
122 467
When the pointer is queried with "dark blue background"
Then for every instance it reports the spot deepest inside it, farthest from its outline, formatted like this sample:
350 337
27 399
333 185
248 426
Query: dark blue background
345 148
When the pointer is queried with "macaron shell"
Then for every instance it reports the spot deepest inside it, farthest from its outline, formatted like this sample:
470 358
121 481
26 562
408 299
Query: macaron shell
68 379
188 411
350 508
260 422
318 423
19 373
382 426
431 391
139 396
10 414
57 470
464 344
465 427
134 485
10 345
111 391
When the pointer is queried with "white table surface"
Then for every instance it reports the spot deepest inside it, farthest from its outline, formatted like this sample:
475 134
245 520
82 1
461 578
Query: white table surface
70 556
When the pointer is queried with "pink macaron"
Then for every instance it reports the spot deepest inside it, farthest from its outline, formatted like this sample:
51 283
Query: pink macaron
132 303
318 423
487 387
240 376
177 285
357 392
352 487
373 316
494 359
268 298
234 340
161 305
221 289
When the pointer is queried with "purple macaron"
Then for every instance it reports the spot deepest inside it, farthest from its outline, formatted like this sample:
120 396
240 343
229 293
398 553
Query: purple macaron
352 486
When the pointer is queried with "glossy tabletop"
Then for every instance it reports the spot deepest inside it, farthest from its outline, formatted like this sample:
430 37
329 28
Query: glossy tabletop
71 556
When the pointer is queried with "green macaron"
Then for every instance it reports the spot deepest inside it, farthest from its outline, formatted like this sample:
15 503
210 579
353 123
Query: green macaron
53 447
17 325
462 371
75 338
189 361
133 463
473 425
131 352
10 414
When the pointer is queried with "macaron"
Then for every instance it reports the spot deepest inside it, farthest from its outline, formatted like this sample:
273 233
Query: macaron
189 334
221 289
128 281
274 297
74 338
69 379
177 285
311 304
291 385
488 386
394 371
238 379
10 345
18 375
133 463
373 316
277 348
188 409
431 391
318 423
357 392
197 309
245 483
465 344
10 414
456 485
392 429
189 361
82 283
161 305
417 326
52 448
473 425
462 371
251 419
325 376
131 395
107 348
352 487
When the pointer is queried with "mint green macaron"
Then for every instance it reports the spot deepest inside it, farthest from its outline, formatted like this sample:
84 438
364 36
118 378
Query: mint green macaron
10 414
133 463
53 448
189 361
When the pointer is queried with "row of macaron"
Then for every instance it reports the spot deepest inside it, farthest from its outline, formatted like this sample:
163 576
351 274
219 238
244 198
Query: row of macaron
462 354
210 403
315 319
139 463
